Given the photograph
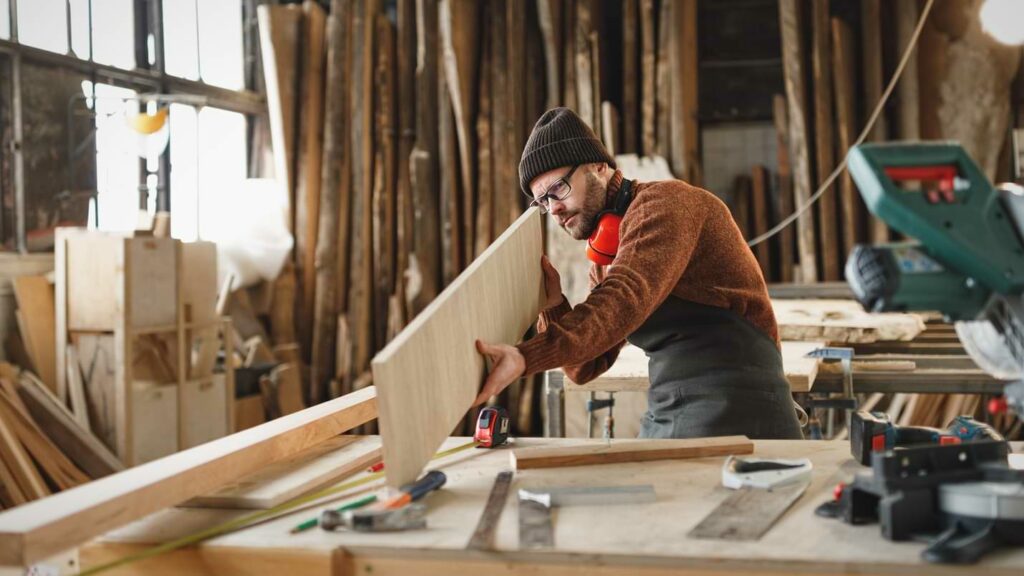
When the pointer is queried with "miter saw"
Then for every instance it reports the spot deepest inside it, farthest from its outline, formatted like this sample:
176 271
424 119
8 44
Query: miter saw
967 256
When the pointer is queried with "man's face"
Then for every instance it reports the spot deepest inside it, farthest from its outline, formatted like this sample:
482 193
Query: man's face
577 212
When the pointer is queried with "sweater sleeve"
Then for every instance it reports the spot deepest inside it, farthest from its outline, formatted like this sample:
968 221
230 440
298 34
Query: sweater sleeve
657 239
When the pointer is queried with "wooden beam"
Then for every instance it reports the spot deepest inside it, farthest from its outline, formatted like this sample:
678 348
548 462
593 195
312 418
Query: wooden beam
685 136
843 75
429 375
871 45
648 58
824 150
308 173
333 203
35 299
485 161
796 97
587 105
663 81
620 451
383 227
40 529
908 89
405 52
759 208
784 192
548 16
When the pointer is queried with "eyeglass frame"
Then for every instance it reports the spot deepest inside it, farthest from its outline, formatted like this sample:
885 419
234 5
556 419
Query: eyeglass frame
544 200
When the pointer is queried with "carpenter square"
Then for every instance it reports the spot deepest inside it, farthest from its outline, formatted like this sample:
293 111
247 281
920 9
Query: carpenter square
483 536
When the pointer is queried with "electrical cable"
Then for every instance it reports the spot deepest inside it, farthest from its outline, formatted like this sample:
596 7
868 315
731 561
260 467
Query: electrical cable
860 139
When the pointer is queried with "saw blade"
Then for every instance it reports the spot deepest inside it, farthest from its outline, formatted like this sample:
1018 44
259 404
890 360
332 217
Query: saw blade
746 514
988 348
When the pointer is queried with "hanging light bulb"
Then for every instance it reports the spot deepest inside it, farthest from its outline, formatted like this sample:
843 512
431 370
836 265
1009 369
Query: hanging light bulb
1003 20
149 132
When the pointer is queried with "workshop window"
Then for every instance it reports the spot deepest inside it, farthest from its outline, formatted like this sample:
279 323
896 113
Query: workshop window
113 33
117 160
208 160
79 28
203 41
44 24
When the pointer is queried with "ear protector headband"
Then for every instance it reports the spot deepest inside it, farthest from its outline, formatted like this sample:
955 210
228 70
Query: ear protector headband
603 244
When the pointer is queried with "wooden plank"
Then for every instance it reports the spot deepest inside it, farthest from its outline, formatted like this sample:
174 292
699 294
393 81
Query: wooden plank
796 95
21 466
280 31
308 162
683 75
51 461
549 22
405 53
841 321
96 364
13 493
208 418
648 37
871 46
785 186
504 154
329 462
249 412
759 208
484 220
451 232
741 189
76 390
662 80
37 530
430 374
586 99
81 447
35 298
383 198
199 281
631 77
289 389
843 75
821 61
333 208
908 89
460 38
619 451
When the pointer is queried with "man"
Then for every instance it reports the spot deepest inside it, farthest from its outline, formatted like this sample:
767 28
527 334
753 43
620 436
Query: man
682 285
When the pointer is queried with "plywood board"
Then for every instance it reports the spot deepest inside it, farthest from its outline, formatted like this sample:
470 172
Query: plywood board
619 451
155 409
151 281
96 362
199 281
324 464
207 418
430 373
37 530
89 259
35 297
249 412
843 321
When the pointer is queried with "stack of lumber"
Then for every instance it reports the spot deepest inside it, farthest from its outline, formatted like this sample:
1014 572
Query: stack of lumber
43 448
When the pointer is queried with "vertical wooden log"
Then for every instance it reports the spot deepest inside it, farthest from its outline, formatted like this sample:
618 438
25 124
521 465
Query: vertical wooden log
796 97
741 204
424 165
333 195
485 166
684 139
584 65
568 52
384 180
308 174
505 186
843 69
759 206
785 186
908 91
519 125
595 81
663 81
824 149
405 53
871 44
360 296
451 237
631 77
648 91
460 37
548 12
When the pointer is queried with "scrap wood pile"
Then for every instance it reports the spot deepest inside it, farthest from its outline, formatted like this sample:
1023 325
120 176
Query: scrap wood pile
398 135
43 448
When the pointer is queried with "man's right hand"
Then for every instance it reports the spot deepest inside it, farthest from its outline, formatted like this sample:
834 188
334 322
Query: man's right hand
552 283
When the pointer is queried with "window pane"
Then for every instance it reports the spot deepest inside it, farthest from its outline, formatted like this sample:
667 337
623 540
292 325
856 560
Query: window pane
222 163
5 19
80 28
184 181
117 160
44 24
180 38
113 28
220 43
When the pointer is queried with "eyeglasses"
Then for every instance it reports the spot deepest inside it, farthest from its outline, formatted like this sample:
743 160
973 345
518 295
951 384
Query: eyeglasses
560 190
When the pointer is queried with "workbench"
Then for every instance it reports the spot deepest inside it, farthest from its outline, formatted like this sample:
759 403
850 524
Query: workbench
638 539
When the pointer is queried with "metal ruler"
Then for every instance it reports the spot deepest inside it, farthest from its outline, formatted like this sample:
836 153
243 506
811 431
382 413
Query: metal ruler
483 536
748 512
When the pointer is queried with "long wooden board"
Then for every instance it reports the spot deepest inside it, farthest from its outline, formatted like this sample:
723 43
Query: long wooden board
35 297
842 321
430 373
35 531
620 451
326 463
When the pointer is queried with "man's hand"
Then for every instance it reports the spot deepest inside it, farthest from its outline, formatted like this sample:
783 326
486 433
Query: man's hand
552 283
507 365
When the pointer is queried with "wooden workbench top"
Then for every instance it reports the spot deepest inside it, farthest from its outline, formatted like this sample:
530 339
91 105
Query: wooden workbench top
606 539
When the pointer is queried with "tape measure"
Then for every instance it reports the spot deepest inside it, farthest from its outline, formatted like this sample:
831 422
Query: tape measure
491 427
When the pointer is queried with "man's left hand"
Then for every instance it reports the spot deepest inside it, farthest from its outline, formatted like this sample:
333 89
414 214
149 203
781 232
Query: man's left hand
507 366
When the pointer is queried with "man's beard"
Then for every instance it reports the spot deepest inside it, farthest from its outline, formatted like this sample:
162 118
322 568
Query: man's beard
586 218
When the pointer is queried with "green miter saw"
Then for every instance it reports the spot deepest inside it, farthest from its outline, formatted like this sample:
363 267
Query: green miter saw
967 260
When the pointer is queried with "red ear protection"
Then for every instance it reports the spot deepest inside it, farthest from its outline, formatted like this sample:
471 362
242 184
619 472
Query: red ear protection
603 244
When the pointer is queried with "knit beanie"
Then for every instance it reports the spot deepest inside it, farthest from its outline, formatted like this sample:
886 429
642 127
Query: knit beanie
560 138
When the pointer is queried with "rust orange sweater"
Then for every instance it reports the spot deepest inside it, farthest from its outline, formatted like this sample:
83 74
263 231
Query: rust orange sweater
675 239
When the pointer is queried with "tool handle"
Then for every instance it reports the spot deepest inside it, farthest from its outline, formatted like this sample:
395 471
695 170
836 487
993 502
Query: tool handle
430 482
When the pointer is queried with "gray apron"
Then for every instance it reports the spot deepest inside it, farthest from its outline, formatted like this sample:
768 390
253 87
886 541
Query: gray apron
712 374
